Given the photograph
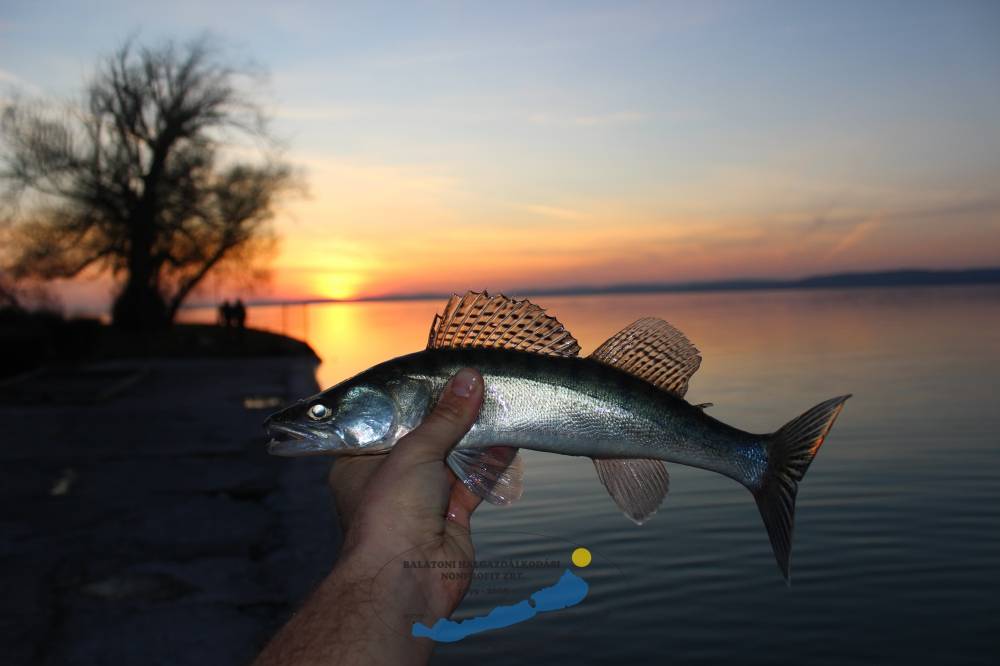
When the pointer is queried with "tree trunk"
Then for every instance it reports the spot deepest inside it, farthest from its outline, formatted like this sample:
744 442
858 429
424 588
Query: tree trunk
140 306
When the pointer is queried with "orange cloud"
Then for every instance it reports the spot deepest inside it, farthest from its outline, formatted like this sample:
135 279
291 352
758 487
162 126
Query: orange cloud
371 229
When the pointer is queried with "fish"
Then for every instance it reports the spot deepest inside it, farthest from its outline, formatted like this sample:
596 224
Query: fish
622 406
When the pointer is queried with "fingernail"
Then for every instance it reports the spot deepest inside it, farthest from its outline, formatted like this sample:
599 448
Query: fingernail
464 383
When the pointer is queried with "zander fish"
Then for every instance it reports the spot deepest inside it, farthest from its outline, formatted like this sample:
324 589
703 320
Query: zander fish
623 406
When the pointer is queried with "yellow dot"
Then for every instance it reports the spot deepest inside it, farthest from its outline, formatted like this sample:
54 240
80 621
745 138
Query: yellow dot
581 557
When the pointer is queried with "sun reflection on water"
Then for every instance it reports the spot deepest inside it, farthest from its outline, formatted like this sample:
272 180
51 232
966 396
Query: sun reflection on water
789 346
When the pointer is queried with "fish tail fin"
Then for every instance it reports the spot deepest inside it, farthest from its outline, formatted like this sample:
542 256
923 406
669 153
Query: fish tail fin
790 450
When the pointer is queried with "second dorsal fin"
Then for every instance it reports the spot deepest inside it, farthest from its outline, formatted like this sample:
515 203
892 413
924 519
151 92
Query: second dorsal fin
480 320
653 350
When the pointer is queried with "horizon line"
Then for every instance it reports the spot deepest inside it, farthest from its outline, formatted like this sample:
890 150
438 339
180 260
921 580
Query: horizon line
900 277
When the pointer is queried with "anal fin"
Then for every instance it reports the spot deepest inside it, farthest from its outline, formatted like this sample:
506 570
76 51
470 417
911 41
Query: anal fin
638 486
496 473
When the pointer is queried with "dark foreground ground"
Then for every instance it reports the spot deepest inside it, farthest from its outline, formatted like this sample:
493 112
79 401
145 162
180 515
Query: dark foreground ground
141 521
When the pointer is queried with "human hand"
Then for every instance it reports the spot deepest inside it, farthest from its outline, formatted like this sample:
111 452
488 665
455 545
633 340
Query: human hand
409 502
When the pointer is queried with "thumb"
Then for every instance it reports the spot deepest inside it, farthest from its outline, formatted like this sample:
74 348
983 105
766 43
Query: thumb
452 416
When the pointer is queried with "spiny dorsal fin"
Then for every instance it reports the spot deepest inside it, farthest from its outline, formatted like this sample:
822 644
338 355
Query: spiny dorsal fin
637 485
653 350
480 320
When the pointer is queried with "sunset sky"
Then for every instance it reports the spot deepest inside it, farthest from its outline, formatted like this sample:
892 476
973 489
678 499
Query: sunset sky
509 145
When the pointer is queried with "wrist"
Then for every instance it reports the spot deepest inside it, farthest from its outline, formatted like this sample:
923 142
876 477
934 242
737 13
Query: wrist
348 621
400 594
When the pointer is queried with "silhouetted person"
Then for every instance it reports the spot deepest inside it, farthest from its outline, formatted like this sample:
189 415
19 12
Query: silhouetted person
225 313
239 314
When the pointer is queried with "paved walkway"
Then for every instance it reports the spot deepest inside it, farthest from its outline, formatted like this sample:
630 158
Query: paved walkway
150 527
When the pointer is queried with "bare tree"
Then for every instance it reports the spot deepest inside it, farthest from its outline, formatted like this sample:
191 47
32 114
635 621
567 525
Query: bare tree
136 180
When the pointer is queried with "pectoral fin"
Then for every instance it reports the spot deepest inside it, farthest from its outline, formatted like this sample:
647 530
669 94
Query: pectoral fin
637 486
495 474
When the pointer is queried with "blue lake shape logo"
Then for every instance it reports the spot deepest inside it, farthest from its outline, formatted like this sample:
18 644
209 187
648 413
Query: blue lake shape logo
568 591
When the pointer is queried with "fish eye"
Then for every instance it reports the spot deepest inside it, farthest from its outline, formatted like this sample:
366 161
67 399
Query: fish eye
319 411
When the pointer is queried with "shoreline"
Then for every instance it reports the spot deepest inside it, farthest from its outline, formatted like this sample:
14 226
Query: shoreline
42 341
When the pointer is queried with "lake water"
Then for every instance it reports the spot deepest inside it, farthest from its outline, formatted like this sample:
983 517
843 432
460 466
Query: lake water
896 554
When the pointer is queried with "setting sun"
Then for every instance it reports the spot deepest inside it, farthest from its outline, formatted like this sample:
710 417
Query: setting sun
340 286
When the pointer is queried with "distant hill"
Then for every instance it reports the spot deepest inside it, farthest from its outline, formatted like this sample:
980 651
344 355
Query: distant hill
894 278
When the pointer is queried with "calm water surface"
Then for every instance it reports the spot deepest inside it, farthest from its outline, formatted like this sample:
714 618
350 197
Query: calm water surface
897 542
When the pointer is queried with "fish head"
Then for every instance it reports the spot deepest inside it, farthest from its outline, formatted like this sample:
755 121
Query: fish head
364 415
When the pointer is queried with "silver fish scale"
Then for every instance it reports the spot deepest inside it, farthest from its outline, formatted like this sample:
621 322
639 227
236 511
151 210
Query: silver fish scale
542 413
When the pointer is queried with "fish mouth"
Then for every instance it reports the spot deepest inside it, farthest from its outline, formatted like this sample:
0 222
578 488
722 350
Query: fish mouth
291 441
